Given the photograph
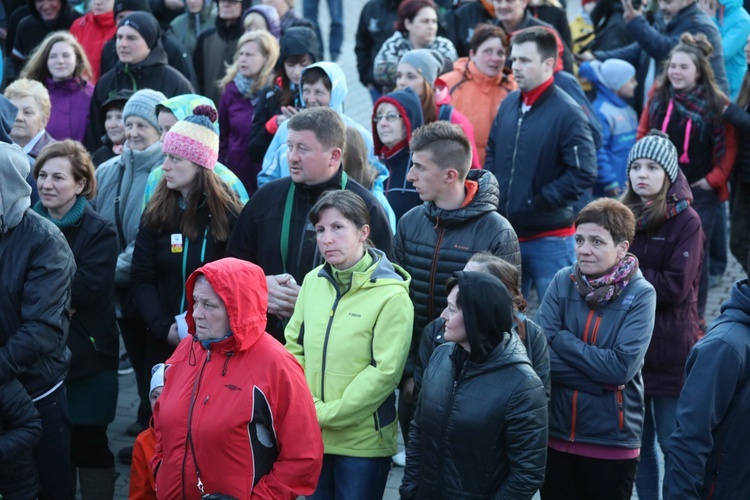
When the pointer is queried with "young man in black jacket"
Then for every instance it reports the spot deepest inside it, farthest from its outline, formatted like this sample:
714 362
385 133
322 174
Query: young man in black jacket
273 230
541 150
437 238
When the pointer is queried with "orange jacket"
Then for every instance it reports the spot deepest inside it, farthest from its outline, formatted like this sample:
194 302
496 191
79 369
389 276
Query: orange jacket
142 484
478 97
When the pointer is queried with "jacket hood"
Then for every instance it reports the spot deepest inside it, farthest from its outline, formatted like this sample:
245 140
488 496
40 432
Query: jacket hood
8 113
409 106
737 307
486 321
298 41
588 70
205 12
15 192
680 190
241 285
270 14
485 200
183 105
338 83
64 9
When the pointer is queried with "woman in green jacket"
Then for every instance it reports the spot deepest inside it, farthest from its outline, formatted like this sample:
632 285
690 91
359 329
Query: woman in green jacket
350 331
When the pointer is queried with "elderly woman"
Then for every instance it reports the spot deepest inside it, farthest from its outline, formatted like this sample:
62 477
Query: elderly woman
467 441
60 64
416 28
235 416
121 183
598 316
185 225
65 178
33 103
350 331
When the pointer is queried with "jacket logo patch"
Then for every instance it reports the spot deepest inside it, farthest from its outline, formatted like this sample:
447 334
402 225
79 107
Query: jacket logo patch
355 315
372 26
460 247
233 387
628 300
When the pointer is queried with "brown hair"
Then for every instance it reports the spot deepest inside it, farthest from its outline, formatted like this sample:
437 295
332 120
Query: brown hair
655 211
36 67
485 31
355 159
325 123
429 108
286 94
269 48
699 49
163 210
349 204
408 9
447 144
80 163
611 215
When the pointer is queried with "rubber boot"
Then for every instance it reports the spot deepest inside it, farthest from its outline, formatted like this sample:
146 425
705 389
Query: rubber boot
97 484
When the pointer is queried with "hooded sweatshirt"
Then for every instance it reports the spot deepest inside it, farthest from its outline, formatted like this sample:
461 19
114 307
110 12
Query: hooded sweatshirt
276 165
400 193
187 27
181 107
32 30
239 407
619 124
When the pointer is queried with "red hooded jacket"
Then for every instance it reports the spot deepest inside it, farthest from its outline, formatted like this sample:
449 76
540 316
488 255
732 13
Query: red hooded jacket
239 408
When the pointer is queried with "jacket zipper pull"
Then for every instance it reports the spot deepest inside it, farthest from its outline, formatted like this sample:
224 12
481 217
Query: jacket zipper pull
205 401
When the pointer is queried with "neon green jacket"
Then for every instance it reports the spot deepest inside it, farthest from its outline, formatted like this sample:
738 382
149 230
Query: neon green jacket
353 348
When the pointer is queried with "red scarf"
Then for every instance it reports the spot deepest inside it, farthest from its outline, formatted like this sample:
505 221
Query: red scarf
530 97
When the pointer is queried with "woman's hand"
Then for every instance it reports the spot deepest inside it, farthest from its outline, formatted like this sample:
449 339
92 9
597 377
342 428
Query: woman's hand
286 113
702 184
173 337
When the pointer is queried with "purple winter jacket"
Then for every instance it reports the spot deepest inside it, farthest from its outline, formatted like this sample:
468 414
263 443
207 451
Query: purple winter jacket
670 260
71 100
235 119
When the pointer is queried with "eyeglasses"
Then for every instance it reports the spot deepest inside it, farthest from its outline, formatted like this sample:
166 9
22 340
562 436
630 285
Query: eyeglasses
390 118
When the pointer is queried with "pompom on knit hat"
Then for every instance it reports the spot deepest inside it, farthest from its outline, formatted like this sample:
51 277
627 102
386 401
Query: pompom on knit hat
143 105
428 63
657 147
194 138
157 377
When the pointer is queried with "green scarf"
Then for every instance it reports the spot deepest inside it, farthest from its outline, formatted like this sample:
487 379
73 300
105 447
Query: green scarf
344 276
74 214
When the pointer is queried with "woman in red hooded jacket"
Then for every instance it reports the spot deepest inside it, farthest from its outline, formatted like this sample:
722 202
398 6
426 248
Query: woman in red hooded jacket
236 416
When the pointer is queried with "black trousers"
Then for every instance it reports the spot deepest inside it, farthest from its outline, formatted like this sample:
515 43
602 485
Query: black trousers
570 477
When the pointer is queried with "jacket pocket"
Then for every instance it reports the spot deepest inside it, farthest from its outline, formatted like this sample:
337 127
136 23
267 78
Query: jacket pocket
620 400
386 412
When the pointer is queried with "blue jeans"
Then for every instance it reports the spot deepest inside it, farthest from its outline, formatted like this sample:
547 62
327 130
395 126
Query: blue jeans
718 256
336 9
541 259
706 203
658 425
343 478
52 452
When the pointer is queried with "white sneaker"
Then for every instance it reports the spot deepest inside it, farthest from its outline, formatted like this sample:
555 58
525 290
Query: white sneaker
399 459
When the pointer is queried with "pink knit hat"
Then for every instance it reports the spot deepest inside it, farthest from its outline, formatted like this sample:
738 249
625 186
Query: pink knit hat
194 138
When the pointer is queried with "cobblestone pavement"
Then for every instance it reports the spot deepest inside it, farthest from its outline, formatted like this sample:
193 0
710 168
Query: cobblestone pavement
358 105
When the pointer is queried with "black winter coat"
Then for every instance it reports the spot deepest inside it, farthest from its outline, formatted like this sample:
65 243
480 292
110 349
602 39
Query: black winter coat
268 106
151 73
376 24
480 430
37 269
740 118
432 243
20 430
215 48
544 161
257 234
670 259
93 339
32 30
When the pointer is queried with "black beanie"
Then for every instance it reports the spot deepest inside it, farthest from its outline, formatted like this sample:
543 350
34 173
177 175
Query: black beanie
145 24
135 5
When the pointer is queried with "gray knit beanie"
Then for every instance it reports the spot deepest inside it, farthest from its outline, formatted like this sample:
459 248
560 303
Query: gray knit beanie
428 63
143 105
657 147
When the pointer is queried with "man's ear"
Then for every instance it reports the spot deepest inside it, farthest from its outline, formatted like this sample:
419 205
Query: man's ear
336 156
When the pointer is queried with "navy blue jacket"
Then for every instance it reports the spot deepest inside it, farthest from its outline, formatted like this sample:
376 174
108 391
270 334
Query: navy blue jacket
544 160
707 455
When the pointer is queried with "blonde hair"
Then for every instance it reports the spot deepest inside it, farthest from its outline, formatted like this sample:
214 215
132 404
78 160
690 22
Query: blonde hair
31 88
36 67
268 46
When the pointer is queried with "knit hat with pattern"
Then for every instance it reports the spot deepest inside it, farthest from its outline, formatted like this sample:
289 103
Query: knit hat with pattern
194 138
657 147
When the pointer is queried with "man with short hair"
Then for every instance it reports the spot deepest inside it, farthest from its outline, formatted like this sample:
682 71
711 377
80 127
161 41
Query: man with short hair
654 42
541 150
273 230
707 452
433 240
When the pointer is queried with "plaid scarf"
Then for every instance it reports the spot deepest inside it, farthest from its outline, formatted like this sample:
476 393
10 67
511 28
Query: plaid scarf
691 106
604 289
673 208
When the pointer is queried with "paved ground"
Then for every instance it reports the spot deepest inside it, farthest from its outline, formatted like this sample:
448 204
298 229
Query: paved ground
358 105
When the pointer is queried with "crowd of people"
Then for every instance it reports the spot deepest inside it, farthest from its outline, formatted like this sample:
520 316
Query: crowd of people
183 196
